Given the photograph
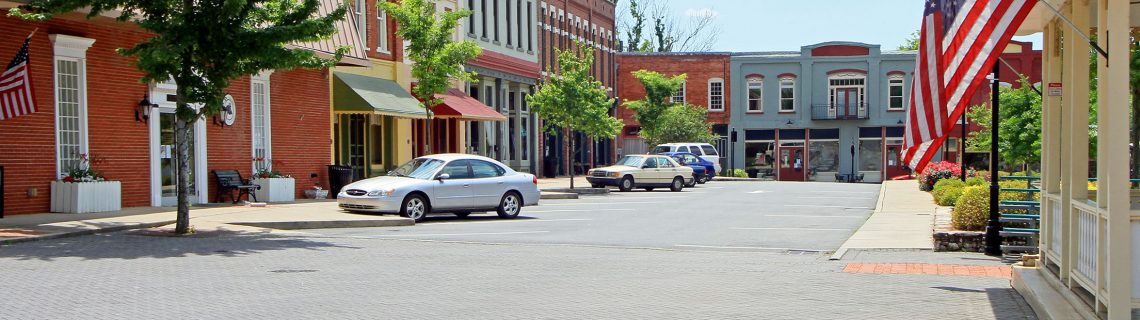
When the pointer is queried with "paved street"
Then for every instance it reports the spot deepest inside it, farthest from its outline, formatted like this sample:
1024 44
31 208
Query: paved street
723 251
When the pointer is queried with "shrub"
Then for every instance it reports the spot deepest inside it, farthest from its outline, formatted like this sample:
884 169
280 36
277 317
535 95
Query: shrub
739 173
976 181
945 188
1014 195
937 171
972 209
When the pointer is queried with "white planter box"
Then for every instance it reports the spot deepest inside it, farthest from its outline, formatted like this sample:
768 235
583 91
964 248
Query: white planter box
275 189
84 197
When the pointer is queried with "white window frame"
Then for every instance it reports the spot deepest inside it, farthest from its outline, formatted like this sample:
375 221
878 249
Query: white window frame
382 44
831 91
70 49
716 107
361 11
754 83
679 96
788 82
267 126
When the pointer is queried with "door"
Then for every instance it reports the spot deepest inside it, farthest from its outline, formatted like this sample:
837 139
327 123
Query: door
666 170
847 101
894 166
792 163
650 174
354 145
168 161
455 191
487 184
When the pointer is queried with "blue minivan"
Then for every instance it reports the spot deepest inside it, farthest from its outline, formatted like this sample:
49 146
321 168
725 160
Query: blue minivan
703 170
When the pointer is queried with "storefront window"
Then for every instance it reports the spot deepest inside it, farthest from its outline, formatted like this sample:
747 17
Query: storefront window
824 156
760 157
870 154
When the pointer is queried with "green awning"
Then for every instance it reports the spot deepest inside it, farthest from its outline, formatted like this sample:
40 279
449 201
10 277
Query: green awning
363 94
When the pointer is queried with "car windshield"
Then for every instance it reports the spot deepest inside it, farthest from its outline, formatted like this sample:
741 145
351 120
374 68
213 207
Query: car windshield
421 168
662 149
632 161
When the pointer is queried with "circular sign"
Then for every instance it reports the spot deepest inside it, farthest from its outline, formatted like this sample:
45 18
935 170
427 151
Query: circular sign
229 110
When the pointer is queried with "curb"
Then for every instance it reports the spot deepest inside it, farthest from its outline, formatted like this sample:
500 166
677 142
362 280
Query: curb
578 191
734 179
68 234
838 255
330 224
546 195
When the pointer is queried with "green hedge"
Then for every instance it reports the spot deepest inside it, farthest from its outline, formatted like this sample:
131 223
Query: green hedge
947 191
972 210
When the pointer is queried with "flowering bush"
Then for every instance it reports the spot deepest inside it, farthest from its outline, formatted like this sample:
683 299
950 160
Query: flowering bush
937 171
83 172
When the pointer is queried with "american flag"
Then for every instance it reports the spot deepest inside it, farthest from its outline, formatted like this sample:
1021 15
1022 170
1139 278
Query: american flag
16 86
959 43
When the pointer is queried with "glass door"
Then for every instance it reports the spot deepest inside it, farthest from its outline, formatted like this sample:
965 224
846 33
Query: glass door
168 161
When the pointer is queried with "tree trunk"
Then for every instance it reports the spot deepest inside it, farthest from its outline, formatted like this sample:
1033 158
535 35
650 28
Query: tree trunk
571 138
182 183
427 131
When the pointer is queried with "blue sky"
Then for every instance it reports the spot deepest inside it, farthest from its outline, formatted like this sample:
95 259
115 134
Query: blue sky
779 25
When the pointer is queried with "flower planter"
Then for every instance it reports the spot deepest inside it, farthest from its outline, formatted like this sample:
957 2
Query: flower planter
84 197
316 194
275 189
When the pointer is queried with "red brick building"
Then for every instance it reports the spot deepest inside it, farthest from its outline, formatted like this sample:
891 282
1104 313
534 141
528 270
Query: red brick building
706 72
91 104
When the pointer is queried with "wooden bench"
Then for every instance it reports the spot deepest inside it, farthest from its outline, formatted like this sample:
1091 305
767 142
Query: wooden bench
231 183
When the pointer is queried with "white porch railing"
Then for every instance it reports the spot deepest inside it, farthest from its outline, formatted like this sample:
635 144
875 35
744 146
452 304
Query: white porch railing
1055 244
1087 225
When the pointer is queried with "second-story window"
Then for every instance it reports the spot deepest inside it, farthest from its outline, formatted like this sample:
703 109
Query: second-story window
755 95
495 19
483 13
382 31
895 88
679 96
510 27
471 18
788 94
361 23
529 26
716 94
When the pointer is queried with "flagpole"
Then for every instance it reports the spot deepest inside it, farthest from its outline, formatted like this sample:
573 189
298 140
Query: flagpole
962 147
993 229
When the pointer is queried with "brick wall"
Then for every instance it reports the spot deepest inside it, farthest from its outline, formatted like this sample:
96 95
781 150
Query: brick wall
699 68
121 144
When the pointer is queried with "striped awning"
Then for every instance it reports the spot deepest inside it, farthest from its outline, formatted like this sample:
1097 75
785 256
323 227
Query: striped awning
346 36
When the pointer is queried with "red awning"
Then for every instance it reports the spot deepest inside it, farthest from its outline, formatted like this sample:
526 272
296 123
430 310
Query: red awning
457 104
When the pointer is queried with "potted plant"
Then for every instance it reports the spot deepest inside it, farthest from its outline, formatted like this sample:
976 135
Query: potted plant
275 186
83 190
317 192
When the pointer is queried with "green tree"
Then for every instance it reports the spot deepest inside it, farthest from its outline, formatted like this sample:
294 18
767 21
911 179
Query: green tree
911 43
438 59
1019 128
574 100
683 123
658 92
203 45
637 29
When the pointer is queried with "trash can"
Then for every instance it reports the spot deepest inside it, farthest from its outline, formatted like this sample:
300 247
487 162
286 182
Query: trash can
339 176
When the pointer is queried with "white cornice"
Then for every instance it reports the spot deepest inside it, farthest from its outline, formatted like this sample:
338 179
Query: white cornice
70 46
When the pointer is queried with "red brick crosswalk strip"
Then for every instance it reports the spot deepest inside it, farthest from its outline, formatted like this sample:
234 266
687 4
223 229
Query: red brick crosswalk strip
930 269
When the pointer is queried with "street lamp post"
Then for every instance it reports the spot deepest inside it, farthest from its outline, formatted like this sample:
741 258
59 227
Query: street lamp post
993 229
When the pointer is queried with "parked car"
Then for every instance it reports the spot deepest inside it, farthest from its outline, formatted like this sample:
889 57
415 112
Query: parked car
445 183
704 150
642 171
703 170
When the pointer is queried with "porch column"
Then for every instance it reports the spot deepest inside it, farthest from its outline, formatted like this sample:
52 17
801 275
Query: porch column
1051 155
1113 100
1074 187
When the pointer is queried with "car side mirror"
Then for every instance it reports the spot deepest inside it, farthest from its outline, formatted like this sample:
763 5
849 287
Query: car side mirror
443 176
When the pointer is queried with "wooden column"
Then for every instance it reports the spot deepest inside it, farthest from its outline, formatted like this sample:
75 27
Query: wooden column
1114 97
1075 148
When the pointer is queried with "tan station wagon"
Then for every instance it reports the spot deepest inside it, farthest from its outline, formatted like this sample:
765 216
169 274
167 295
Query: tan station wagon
642 171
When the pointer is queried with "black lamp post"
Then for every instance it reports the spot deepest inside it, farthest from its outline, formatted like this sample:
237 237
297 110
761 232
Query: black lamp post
993 229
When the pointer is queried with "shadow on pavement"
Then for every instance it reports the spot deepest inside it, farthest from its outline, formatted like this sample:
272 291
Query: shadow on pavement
160 243
449 218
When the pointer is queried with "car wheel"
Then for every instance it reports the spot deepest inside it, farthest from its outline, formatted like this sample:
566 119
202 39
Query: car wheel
462 214
626 184
703 179
677 185
510 206
414 207
692 184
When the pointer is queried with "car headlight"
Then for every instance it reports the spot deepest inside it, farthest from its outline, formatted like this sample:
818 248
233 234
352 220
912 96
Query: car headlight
615 174
381 192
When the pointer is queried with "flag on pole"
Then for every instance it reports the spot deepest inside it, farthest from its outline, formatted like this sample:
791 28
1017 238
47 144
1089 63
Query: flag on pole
16 86
959 43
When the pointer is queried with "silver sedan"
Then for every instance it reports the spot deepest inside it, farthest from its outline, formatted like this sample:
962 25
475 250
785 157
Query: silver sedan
444 183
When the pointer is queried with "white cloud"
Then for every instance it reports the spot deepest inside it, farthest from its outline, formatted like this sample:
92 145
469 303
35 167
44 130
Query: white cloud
702 12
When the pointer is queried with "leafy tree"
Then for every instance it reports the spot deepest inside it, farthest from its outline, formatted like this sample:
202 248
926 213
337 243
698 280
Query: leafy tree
658 92
635 33
203 45
911 43
574 100
438 59
683 123
1019 128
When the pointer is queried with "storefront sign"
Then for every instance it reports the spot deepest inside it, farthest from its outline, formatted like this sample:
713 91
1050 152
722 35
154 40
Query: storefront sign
1055 89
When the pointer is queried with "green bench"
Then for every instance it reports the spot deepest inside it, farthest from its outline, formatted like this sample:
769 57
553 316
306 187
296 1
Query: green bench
1031 220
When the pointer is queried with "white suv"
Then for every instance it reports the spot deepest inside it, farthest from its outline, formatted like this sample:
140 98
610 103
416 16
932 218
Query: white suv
704 150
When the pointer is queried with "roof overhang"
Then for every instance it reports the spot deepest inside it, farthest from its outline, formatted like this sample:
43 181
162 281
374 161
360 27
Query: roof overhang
357 94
